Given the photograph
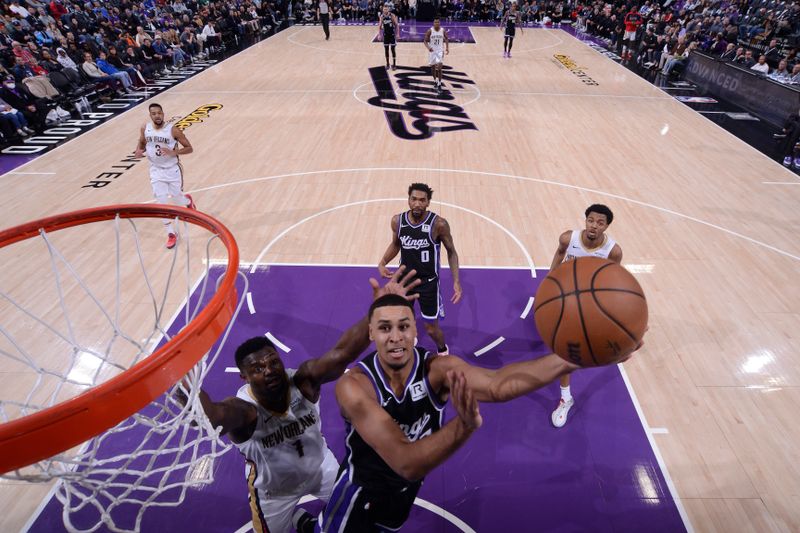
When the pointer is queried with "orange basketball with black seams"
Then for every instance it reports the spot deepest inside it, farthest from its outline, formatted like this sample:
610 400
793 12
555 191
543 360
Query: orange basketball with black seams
590 311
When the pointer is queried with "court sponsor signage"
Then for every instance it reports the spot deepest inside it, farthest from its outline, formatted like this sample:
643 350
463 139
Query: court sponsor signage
764 98
579 72
128 162
414 109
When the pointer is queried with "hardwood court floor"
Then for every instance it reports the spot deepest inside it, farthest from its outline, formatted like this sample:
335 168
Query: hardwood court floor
711 239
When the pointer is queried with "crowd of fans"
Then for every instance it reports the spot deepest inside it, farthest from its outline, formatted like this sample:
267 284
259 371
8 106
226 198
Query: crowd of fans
53 54
760 35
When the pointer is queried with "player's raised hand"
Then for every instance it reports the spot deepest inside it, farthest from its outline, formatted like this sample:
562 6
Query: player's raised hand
401 283
456 292
385 272
464 401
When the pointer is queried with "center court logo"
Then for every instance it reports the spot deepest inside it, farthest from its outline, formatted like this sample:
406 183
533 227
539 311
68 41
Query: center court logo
416 110
568 63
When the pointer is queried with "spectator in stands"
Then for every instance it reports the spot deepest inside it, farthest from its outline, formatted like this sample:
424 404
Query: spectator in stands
794 78
12 121
762 65
729 54
110 70
155 60
91 70
772 53
679 57
212 40
781 74
746 60
17 97
135 56
118 62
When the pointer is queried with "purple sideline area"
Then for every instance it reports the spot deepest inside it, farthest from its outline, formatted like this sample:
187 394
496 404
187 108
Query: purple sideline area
412 31
517 473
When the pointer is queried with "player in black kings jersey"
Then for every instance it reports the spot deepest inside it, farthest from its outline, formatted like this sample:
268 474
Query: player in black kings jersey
510 20
392 402
389 27
417 235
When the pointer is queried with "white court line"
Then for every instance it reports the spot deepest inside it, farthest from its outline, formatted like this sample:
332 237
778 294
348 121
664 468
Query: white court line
277 343
661 464
780 182
419 502
248 264
511 176
31 173
659 431
527 310
489 346
231 370
282 234
250 302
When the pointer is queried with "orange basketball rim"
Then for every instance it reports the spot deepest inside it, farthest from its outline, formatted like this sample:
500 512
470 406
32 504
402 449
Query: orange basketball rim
43 434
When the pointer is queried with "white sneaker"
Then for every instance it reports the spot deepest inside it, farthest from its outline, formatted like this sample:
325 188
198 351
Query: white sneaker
559 416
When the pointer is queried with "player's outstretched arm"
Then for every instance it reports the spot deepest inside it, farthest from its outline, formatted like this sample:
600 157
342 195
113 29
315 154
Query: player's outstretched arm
392 250
330 366
561 251
410 460
501 385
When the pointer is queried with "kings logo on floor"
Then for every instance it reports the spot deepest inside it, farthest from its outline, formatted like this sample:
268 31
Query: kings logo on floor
414 108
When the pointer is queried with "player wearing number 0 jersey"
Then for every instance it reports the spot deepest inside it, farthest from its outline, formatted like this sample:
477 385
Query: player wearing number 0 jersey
274 422
163 142
417 235
590 242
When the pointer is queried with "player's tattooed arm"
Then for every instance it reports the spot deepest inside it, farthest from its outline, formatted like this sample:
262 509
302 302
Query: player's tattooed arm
497 385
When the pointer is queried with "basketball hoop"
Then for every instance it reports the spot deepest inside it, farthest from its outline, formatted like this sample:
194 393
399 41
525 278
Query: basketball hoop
38 444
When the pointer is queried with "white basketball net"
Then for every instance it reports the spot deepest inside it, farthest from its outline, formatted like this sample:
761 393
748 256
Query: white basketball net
89 337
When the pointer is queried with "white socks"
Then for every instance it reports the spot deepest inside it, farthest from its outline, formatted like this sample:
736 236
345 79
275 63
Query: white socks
566 395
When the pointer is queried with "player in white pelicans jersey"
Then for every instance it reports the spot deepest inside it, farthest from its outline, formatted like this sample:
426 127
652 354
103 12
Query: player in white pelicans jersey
163 142
274 421
593 242
438 44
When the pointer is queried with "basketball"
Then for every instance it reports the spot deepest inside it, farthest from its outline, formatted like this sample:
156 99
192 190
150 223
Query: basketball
590 311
